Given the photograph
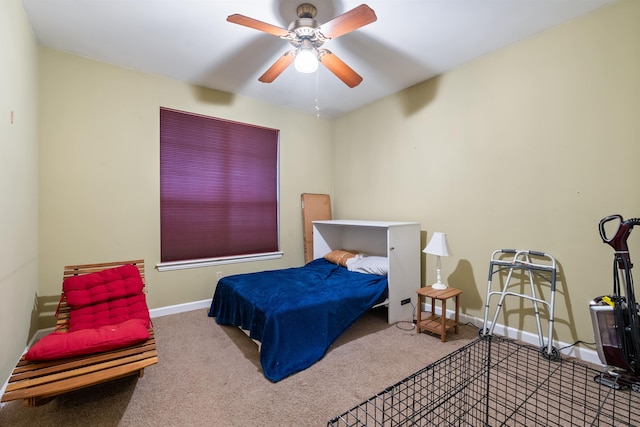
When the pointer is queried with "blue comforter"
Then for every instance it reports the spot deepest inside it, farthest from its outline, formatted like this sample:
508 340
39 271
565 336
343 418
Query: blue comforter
295 313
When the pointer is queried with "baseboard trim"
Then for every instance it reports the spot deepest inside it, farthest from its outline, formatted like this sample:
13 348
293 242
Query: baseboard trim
566 349
179 308
586 355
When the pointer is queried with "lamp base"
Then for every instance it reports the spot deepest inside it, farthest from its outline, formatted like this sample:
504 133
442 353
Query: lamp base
439 286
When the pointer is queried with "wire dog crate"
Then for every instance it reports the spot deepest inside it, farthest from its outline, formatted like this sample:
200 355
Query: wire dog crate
493 381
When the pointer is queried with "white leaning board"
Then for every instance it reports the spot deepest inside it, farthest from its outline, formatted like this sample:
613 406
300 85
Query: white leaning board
399 241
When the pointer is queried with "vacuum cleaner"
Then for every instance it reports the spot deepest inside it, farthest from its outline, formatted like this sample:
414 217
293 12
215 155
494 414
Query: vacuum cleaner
616 323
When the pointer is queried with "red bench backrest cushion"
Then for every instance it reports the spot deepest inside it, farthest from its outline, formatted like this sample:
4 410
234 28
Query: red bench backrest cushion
105 298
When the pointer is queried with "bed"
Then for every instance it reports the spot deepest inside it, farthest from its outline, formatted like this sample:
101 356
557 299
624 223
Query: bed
297 313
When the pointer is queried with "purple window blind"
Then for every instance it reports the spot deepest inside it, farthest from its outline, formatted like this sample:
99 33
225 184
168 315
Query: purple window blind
218 187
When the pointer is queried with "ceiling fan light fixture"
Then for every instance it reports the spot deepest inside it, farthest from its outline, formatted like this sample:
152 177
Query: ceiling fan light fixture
307 36
306 59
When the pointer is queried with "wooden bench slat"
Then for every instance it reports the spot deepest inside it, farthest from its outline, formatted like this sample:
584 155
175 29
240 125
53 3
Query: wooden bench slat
79 371
27 368
76 382
103 265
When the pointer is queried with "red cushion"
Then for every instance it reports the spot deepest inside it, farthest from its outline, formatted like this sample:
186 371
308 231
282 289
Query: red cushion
105 285
109 313
105 298
58 345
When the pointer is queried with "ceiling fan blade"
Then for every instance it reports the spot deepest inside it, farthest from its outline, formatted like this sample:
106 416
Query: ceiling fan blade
339 68
278 67
257 25
348 21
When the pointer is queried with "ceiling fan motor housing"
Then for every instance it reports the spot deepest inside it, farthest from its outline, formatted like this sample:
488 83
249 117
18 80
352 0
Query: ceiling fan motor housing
306 10
305 28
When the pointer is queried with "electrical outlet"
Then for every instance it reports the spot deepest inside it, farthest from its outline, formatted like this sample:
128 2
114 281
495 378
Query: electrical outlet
405 301
218 275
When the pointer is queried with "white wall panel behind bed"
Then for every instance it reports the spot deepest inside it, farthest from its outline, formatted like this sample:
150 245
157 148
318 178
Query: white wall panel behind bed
399 241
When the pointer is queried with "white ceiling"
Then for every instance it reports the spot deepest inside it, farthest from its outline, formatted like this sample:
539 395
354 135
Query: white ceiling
191 41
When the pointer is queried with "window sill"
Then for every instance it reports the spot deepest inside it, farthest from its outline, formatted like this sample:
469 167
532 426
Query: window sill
208 262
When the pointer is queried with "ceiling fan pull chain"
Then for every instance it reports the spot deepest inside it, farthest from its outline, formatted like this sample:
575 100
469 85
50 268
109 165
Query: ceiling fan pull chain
317 106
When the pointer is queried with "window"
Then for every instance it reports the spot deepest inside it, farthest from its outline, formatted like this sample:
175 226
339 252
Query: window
218 190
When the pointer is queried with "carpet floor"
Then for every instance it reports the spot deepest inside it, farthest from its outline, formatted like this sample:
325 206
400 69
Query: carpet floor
210 375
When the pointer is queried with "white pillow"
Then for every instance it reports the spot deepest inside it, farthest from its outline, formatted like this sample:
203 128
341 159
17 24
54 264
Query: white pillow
369 265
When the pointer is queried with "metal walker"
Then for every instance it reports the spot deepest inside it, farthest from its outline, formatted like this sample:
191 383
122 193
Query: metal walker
544 267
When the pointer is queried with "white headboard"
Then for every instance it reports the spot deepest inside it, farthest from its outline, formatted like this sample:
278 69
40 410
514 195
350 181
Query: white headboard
399 241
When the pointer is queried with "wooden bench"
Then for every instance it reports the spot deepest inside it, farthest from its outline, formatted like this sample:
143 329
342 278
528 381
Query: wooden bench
37 382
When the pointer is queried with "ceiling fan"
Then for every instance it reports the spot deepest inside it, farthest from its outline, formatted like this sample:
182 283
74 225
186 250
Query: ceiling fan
306 35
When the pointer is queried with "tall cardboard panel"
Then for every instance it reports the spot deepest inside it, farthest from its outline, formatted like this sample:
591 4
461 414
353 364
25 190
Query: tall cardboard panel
315 207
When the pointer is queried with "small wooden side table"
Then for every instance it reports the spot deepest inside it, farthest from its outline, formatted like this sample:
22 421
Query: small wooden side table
434 323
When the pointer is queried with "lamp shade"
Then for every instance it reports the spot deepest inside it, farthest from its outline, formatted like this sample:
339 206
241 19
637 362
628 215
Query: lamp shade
438 245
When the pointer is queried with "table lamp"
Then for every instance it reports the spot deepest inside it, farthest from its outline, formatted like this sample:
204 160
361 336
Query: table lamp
438 246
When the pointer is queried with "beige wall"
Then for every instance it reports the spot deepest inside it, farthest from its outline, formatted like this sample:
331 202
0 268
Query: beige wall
527 147
18 184
99 171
